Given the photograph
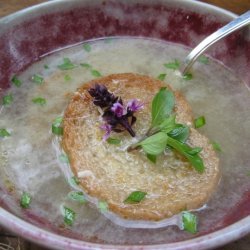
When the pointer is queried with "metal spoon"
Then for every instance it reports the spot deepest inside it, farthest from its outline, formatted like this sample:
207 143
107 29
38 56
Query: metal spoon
234 25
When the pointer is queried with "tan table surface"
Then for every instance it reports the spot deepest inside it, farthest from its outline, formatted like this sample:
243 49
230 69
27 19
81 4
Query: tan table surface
9 6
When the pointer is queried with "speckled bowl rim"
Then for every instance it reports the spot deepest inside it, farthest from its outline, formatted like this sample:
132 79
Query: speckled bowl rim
49 239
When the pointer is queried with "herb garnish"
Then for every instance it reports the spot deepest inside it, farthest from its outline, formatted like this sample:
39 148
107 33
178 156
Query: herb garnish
164 131
57 129
95 73
77 196
187 76
74 180
87 47
173 65
203 59
199 122
39 100
85 65
189 221
103 206
69 216
113 141
216 146
64 158
46 66
4 132
67 64
37 79
135 197
8 99
25 200
117 117
161 77
17 82
67 78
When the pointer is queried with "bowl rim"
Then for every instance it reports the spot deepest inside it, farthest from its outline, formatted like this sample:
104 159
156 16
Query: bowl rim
48 239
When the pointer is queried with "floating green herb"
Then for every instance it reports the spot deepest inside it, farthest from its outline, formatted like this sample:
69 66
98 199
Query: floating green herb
85 65
39 100
189 222
67 64
135 197
180 132
95 73
17 82
64 158
69 216
77 196
203 59
37 79
57 129
67 78
187 76
173 65
74 181
199 122
216 146
8 99
46 66
161 77
4 133
87 47
113 141
152 158
25 200
103 206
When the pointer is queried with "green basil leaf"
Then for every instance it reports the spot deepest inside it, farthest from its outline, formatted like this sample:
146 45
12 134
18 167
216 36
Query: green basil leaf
64 158
135 197
17 82
46 66
187 76
77 196
173 65
161 77
184 149
39 100
216 146
25 200
4 132
194 151
152 158
189 222
67 78
96 73
168 124
8 99
56 126
37 79
203 59
162 106
87 47
67 64
103 206
69 216
154 144
180 132
113 141
74 181
85 65
199 122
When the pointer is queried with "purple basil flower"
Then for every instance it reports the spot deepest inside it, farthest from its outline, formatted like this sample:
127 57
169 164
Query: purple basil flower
118 109
107 128
134 105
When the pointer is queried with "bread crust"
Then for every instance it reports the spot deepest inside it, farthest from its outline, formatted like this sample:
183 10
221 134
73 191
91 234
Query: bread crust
109 173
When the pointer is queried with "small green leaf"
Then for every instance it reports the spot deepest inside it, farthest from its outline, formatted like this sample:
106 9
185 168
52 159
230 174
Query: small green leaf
162 106
16 81
194 151
74 181
173 65
203 59
135 197
187 76
168 124
113 141
216 146
4 133
64 158
199 122
154 144
25 200
46 66
69 216
8 99
152 158
180 132
77 196
185 150
95 73
67 78
67 64
103 206
39 100
189 222
56 126
85 65
87 47
161 77
37 79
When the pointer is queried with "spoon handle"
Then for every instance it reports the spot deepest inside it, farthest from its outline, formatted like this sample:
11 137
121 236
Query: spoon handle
234 25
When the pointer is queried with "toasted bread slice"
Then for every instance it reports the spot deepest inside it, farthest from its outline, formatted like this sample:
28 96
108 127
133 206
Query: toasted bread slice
110 173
